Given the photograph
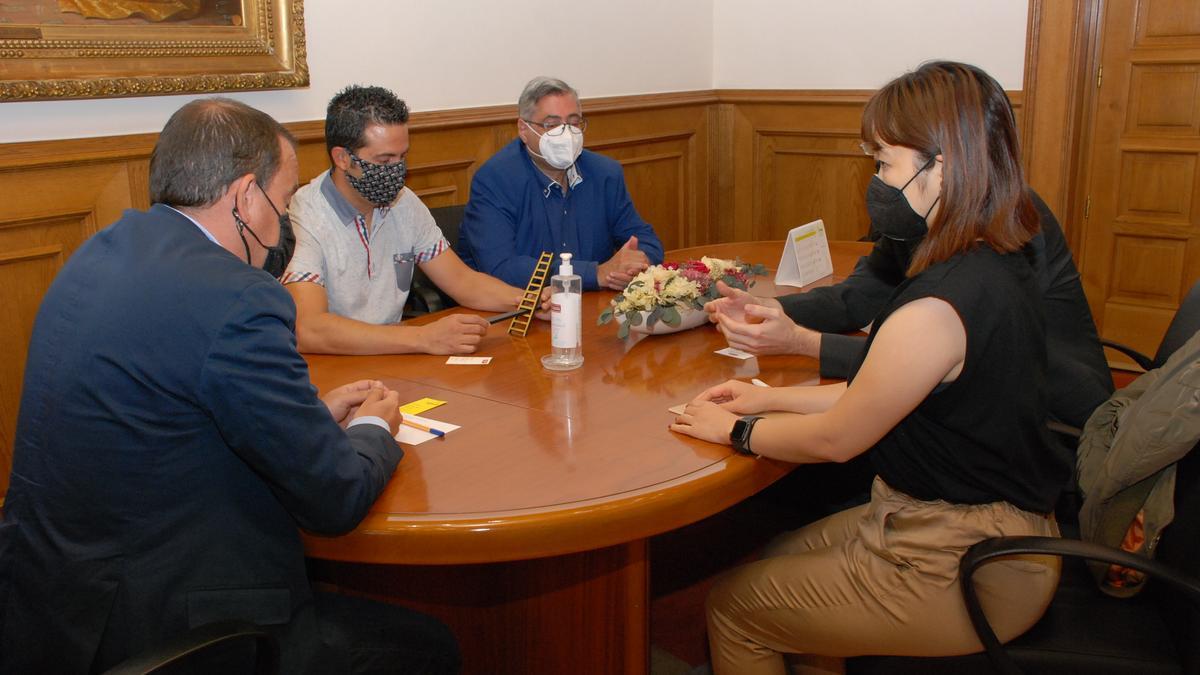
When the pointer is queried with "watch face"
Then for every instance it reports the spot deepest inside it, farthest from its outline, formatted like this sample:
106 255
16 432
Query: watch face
739 437
739 430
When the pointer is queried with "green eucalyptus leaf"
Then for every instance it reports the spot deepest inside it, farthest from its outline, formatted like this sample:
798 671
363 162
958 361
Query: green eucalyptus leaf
633 317
653 317
605 316
671 316
623 331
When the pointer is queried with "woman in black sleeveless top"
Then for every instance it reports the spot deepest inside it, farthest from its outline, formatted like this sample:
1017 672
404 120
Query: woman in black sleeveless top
947 398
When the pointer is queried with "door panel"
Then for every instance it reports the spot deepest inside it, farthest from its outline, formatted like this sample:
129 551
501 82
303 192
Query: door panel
1141 237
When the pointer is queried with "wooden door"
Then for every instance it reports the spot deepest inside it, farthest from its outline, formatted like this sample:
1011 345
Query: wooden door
1141 232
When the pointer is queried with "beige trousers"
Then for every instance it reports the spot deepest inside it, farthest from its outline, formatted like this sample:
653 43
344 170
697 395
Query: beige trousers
881 578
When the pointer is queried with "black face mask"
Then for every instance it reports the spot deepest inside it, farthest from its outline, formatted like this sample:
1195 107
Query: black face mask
279 255
891 214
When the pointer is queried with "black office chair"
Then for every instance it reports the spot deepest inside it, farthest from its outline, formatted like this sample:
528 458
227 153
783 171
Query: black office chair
424 296
1084 630
228 647
1183 326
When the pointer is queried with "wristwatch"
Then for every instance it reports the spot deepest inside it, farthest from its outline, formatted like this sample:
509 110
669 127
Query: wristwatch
739 437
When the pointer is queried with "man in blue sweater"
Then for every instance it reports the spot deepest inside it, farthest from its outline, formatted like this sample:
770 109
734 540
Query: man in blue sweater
544 192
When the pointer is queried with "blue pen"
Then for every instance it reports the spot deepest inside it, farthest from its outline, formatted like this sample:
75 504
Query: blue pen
436 432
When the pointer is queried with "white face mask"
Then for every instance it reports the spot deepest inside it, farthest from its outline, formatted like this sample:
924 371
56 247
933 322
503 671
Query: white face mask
559 151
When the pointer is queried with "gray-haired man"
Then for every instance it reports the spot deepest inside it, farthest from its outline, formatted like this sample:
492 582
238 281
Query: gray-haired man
544 192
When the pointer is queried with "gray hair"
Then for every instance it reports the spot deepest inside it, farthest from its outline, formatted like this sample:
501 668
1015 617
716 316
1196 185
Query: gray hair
539 88
208 144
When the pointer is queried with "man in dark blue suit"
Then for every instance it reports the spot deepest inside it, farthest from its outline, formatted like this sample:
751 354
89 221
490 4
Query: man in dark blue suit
170 445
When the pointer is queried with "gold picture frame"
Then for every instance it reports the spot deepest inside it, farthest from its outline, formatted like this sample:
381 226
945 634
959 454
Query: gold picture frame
116 48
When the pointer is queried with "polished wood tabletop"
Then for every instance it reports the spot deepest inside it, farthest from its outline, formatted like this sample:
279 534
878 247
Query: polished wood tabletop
549 463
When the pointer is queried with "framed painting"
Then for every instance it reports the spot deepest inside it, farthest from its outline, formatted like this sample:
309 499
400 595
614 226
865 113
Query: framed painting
60 49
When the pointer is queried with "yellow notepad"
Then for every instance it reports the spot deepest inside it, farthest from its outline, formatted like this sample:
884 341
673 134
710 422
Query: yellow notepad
419 406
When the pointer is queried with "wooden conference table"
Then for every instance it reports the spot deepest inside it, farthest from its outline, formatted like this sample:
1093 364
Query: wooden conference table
526 530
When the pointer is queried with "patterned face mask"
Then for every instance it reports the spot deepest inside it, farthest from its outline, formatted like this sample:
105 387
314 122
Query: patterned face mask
380 183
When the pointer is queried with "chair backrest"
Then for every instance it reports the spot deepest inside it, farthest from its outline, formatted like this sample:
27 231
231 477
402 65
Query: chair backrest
425 296
1183 326
1179 547
448 219
218 647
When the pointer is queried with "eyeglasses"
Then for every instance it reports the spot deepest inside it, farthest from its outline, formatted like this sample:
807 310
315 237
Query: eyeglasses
870 149
554 126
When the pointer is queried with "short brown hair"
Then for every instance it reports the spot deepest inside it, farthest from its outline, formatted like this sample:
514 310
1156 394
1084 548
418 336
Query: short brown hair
208 144
961 113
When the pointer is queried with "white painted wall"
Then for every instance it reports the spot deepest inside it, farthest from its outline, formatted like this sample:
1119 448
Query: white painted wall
441 54
861 44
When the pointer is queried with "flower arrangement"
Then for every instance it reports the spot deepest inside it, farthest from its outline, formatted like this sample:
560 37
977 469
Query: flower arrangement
662 292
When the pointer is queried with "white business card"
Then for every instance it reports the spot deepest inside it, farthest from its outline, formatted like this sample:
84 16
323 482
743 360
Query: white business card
468 360
735 353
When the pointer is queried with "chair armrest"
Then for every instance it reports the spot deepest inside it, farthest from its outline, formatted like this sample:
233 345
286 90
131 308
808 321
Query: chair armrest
1139 358
999 547
199 639
1064 429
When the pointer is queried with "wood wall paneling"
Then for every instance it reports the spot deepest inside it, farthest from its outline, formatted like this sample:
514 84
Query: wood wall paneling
441 161
804 175
795 158
45 214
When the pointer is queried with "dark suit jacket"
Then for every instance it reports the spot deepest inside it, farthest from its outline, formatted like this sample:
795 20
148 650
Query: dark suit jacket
168 449
1078 379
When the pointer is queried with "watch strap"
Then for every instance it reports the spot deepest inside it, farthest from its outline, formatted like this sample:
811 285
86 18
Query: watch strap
739 437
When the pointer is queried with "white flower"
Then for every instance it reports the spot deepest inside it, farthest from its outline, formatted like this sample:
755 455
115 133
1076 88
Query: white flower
654 287
717 267
679 288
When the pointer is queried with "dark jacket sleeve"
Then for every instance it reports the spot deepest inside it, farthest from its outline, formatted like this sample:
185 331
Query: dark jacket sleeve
1078 378
256 388
850 305
838 353
854 302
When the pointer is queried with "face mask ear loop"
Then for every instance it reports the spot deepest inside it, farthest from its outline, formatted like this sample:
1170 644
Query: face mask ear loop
241 225
926 216
535 133
930 163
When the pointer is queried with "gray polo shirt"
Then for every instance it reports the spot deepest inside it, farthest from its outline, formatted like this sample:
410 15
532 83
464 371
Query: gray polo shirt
356 268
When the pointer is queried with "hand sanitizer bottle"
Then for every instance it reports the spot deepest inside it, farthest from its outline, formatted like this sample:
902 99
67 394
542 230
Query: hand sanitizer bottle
566 322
